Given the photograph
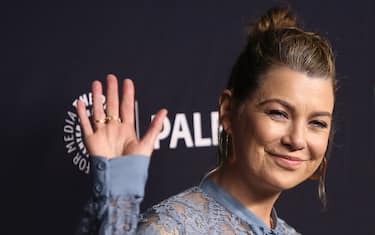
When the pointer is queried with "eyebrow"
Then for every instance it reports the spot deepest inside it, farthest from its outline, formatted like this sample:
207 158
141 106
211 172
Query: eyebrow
290 107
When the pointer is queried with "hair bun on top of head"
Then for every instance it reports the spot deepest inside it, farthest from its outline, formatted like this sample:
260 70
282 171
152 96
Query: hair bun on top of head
276 39
274 18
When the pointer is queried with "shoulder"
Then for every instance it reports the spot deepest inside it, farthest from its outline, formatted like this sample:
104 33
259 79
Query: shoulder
191 212
285 228
170 215
179 204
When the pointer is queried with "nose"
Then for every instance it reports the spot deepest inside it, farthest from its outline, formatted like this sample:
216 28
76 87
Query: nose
295 138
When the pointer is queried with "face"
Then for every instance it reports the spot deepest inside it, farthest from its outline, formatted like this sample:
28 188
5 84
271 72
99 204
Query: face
280 134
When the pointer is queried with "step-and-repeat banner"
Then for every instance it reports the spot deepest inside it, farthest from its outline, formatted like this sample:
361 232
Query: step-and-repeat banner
179 55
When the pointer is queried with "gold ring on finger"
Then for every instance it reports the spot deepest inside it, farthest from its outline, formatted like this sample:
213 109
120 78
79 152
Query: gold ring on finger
110 118
100 120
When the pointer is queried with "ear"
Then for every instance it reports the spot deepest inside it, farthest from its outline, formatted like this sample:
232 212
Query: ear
226 110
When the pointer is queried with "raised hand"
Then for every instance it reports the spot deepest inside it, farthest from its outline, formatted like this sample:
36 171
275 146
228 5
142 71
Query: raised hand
112 133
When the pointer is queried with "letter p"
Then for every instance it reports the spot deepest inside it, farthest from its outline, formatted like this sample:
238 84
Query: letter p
164 133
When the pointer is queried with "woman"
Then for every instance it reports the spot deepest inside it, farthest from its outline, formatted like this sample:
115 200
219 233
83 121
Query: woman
276 115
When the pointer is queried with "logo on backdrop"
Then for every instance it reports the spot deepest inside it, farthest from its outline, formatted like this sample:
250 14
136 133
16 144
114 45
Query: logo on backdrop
73 137
176 132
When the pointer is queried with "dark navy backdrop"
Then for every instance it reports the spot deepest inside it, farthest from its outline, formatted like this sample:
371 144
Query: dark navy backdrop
179 53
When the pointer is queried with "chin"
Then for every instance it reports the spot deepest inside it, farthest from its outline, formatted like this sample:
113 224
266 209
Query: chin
283 182
285 186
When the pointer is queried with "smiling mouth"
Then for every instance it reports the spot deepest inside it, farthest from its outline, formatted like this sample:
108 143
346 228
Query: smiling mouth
289 158
287 162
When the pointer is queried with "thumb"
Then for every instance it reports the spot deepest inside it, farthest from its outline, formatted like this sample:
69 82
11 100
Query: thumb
154 129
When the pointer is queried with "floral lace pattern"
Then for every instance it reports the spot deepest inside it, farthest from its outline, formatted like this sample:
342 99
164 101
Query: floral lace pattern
118 191
190 212
194 212
113 216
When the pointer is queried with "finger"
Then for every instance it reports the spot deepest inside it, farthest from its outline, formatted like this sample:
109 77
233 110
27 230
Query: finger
112 109
154 129
97 106
127 102
84 119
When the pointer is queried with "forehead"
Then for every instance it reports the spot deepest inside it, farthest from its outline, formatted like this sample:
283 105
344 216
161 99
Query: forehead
297 88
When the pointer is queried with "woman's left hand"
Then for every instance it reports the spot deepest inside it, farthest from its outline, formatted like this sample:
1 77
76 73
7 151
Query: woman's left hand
110 136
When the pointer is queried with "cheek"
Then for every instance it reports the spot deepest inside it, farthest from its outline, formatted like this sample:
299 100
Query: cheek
250 137
267 131
256 136
318 146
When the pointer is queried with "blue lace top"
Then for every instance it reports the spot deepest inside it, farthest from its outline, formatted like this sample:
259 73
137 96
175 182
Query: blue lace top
118 189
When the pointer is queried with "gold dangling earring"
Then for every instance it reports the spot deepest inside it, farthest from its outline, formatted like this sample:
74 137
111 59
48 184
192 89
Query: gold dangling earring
321 176
321 171
226 146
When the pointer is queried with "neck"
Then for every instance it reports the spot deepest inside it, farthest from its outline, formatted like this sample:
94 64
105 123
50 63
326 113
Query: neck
250 194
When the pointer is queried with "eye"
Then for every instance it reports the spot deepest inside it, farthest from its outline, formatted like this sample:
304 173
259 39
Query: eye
277 114
319 124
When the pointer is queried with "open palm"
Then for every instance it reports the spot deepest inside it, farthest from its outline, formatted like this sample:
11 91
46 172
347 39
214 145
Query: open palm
112 133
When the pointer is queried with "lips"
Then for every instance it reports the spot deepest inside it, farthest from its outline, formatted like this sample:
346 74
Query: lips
286 161
289 157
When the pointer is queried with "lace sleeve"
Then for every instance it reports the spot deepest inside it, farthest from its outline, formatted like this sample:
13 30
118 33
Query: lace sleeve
158 224
118 190
115 216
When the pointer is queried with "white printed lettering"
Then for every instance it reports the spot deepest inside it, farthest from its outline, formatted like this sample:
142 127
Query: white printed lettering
180 131
164 133
198 139
215 127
